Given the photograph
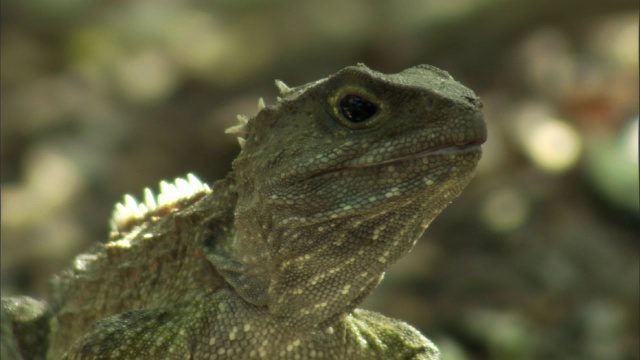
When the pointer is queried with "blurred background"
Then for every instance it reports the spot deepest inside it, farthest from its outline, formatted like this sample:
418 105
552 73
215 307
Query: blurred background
538 259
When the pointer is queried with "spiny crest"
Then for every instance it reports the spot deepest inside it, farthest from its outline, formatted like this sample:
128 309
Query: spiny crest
241 128
283 88
130 212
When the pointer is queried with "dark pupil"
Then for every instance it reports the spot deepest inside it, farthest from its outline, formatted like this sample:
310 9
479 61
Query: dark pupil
357 109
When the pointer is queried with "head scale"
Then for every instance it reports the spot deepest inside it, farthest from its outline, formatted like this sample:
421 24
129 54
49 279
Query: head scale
340 177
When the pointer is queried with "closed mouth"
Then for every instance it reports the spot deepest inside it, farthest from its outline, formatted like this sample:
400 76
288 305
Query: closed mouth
445 150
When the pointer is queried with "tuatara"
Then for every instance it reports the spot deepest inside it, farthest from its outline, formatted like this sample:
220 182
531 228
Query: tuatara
335 182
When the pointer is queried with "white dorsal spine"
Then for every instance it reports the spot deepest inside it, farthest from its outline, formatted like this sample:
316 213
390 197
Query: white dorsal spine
130 210
283 88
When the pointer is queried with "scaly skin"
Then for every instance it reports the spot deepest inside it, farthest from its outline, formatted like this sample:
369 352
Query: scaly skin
335 182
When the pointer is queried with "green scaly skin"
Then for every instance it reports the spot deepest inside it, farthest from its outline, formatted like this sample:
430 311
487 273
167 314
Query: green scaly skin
335 182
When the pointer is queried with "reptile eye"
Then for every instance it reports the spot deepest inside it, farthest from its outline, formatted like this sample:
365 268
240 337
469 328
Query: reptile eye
356 109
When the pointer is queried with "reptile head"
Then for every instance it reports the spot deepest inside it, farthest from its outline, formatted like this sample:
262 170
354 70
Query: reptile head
340 177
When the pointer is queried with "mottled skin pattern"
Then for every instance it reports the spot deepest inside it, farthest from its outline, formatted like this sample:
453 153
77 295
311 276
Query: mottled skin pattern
335 182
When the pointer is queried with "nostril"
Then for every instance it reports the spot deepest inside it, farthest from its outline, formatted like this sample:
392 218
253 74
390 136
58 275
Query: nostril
473 101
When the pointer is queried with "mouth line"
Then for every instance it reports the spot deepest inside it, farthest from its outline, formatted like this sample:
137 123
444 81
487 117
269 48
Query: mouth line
471 147
444 150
